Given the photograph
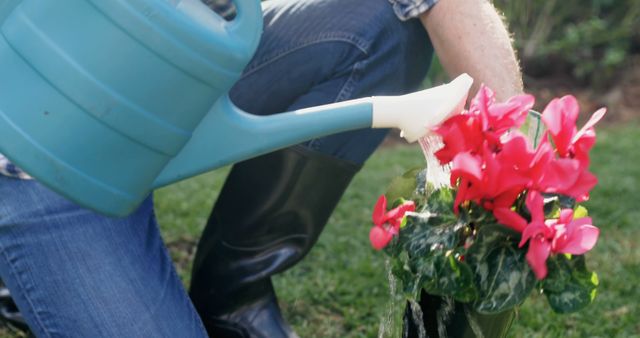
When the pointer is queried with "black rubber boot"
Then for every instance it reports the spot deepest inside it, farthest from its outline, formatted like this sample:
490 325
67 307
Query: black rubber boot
455 323
269 214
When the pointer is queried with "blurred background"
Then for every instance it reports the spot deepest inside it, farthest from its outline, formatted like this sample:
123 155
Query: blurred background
589 48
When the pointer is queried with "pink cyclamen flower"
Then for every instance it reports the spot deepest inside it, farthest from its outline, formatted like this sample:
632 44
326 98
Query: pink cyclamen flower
484 123
510 218
564 235
572 145
560 117
573 179
460 133
489 179
387 223
547 173
497 118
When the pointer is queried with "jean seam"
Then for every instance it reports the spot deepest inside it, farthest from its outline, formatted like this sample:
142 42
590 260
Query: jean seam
353 40
347 88
13 270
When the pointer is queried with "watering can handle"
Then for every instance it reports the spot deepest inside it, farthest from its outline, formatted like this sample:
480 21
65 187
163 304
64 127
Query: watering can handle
247 25
243 30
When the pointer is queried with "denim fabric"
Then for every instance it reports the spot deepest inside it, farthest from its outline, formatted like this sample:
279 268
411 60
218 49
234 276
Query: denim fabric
75 273
409 9
315 52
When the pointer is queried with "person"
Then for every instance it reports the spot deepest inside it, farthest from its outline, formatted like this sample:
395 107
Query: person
73 272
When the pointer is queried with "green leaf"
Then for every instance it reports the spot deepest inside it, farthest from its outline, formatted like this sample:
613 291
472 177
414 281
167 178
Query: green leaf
580 212
429 257
403 186
409 281
442 274
403 223
569 286
425 233
503 277
441 203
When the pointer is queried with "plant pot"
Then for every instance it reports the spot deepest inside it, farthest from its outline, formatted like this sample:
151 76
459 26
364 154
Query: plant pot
461 322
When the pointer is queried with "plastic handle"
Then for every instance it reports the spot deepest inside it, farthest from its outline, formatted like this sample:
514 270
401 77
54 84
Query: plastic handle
247 25
243 30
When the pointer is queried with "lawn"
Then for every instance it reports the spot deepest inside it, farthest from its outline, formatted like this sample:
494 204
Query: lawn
340 289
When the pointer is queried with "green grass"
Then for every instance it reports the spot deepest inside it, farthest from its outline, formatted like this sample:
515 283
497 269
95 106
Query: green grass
340 289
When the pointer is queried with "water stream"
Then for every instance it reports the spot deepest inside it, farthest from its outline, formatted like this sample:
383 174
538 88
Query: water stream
437 175
390 326
417 317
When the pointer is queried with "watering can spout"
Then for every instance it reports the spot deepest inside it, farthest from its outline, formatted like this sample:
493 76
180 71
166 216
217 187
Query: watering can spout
416 113
227 134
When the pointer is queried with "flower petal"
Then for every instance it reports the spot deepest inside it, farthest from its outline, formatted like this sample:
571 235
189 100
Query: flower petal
467 166
395 215
531 231
582 186
560 117
595 118
581 237
539 250
535 204
459 133
566 216
379 237
517 151
379 211
510 218
511 114
560 175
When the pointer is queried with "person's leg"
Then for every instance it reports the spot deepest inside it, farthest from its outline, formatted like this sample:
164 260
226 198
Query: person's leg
74 273
273 208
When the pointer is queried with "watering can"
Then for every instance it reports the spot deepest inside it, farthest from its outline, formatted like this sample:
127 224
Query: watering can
103 101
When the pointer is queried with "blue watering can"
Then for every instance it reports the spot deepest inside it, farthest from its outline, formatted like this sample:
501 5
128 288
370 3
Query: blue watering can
105 100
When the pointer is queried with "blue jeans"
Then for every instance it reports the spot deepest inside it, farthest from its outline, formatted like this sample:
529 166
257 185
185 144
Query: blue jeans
74 273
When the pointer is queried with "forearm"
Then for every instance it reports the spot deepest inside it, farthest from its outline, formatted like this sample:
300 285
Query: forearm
470 37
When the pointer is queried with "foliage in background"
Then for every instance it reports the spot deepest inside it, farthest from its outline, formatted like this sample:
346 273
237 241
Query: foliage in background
592 39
